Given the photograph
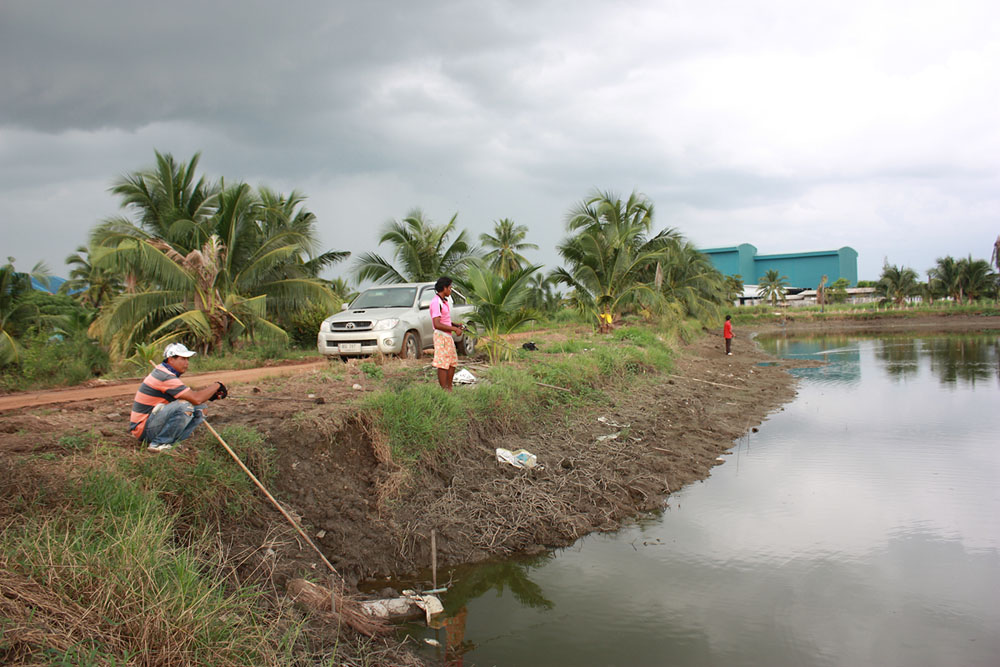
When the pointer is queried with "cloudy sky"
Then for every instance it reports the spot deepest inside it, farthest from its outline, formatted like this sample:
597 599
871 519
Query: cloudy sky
792 126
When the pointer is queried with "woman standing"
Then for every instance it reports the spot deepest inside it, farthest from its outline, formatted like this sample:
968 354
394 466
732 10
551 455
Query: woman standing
445 355
727 333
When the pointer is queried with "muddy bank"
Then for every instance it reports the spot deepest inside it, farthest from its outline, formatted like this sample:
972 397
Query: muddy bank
372 519
600 467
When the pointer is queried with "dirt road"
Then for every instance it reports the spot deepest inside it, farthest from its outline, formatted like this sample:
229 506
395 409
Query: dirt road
128 387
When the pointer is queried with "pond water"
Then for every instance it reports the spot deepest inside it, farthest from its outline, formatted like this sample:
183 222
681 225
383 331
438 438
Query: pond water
859 526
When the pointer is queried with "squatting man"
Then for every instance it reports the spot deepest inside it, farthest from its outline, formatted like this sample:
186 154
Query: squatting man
165 411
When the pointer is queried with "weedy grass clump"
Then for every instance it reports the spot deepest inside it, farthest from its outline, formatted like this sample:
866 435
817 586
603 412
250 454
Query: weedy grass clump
201 484
103 581
416 419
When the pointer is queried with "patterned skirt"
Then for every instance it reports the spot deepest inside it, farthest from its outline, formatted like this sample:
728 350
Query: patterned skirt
445 355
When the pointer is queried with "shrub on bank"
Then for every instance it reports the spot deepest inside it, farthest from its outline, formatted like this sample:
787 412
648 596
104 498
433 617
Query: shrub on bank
48 360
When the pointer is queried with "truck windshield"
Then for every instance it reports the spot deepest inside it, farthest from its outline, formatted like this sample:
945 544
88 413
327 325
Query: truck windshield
386 297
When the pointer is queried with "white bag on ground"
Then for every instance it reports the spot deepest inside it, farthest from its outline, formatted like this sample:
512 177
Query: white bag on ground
464 377
522 458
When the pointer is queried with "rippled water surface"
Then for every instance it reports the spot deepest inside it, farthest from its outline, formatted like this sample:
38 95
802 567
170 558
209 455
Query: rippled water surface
860 526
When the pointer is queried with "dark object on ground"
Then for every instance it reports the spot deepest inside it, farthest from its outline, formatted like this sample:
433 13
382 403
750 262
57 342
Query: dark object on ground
530 346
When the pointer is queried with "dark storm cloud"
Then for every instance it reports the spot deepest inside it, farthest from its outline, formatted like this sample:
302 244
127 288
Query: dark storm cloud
737 121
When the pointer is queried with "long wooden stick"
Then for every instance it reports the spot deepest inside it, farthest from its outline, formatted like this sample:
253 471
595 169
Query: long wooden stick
552 386
274 502
717 384
434 558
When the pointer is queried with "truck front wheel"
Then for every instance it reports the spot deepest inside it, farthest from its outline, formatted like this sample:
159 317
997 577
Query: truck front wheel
411 346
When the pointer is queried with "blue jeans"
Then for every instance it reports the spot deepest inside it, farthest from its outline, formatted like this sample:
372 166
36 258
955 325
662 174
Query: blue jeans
174 422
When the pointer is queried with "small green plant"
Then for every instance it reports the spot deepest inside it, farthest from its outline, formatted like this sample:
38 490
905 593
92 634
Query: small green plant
76 442
371 370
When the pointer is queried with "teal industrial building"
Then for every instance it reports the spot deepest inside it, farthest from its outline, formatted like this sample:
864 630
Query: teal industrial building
804 269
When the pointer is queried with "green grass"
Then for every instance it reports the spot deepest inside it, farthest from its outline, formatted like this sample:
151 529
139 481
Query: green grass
861 311
418 419
211 487
78 442
109 560
372 370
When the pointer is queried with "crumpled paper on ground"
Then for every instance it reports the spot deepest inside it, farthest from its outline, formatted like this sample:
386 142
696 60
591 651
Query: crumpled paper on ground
464 377
522 458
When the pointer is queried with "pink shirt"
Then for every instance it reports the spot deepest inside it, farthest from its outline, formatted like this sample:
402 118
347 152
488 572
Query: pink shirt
440 308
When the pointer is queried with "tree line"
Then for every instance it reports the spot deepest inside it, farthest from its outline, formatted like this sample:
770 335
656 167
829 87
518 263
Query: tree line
219 264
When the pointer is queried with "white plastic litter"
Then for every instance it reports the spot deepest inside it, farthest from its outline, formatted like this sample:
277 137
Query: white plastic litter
611 423
522 458
430 604
464 377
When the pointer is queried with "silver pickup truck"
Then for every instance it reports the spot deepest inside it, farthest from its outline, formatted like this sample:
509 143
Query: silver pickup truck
390 319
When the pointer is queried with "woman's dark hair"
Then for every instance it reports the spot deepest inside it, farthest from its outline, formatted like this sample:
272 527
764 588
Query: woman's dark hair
728 317
441 283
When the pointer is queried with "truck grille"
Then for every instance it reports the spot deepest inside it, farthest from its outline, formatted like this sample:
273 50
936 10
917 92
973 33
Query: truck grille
356 325
364 343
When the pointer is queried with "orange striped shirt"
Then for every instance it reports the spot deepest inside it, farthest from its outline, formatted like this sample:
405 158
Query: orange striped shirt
162 385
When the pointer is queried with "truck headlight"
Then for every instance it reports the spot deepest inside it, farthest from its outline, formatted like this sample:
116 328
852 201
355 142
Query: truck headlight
385 325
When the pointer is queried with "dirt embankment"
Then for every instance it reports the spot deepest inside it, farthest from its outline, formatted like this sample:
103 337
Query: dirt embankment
600 467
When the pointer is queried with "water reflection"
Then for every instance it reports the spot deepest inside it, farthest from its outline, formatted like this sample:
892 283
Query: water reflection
861 528
954 358
964 359
473 582
899 357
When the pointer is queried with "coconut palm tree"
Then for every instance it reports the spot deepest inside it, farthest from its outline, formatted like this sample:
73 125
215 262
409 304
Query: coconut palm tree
164 202
208 263
342 289
690 282
976 278
203 298
505 246
421 249
17 314
542 294
501 304
610 256
93 286
773 286
734 288
896 284
944 279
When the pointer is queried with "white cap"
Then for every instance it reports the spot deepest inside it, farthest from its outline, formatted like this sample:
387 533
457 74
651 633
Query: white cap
177 350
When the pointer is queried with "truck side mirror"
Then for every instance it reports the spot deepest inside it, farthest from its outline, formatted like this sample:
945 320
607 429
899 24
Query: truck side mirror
344 306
